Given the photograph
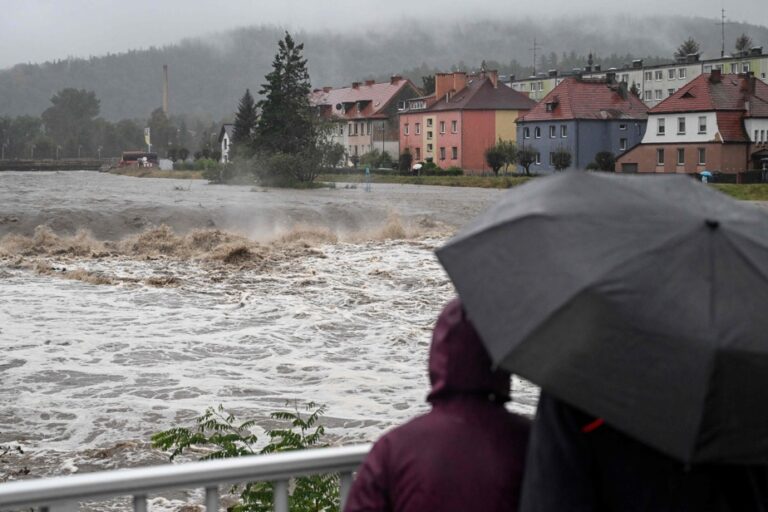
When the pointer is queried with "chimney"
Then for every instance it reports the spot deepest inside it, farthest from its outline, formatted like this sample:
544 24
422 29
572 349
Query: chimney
446 83
552 72
748 83
370 82
355 85
493 76
623 90
598 67
394 79
716 76
637 63
165 89
327 89
610 77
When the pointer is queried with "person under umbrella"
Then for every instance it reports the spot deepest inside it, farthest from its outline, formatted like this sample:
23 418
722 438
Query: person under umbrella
636 304
467 453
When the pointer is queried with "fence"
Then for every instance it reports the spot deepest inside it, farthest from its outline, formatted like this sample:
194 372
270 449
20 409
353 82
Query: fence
62 494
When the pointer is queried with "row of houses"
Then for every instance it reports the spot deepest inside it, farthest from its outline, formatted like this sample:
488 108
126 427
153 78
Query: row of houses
716 122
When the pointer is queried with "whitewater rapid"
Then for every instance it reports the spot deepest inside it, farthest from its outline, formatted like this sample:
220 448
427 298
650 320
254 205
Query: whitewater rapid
111 333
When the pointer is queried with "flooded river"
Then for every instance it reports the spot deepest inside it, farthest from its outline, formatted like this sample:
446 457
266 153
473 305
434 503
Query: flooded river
128 306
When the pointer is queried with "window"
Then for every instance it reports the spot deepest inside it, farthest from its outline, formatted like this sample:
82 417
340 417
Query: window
670 92
659 157
454 153
551 158
538 159
429 148
429 135
623 126
702 124
671 74
658 94
707 68
349 129
550 107
526 133
755 139
355 128
660 128
418 154
745 67
659 74
355 148
552 131
625 78
623 144
454 126
369 128
418 128
681 126
537 132
442 153
341 129
681 73
680 156
702 156
442 126
648 95
734 68
563 130
762 135
649 75
405 128
429 122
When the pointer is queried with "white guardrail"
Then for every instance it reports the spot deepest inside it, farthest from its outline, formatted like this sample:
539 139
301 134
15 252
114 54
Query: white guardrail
60 494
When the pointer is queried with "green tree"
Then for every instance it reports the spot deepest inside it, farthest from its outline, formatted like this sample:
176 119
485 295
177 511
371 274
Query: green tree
70 118
245 122
605 161
743 43
687 47
509 149
526 156
286 121
561 159
161 130
494 158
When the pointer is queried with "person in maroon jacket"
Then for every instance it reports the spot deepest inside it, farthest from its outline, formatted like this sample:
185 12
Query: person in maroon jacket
467 453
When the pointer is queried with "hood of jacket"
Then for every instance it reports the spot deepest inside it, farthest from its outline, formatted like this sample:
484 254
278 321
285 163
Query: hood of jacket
458 361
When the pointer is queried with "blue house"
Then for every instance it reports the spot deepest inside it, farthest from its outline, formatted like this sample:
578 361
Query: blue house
583 117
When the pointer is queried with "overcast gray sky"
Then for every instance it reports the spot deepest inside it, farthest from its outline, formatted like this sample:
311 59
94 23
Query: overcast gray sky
39 30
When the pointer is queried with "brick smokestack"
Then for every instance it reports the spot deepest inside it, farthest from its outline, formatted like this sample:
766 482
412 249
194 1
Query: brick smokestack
165 89
716 76
449 83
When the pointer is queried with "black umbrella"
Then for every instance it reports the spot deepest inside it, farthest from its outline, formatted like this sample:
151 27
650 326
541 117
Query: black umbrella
642 300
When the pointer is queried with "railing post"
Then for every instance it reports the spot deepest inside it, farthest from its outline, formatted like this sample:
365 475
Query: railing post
281 496
140 503
212 499
345 484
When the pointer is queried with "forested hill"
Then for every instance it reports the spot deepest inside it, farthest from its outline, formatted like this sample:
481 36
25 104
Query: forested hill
209 74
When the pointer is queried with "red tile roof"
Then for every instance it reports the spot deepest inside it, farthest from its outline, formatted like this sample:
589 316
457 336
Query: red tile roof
578 98
480 94
373 98
731 126
705 94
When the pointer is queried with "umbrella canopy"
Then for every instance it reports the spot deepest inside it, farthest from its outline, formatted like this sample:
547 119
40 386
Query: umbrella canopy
638 299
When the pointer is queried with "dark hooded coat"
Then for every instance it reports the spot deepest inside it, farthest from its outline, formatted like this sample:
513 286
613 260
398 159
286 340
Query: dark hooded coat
577 463
467 453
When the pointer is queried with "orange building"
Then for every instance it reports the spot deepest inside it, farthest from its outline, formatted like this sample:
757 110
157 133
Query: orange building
466 115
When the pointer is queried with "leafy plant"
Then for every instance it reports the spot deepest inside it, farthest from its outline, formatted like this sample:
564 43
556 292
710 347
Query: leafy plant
561 159
219 431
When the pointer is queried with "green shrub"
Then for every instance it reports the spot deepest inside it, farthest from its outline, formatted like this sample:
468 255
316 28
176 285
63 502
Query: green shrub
454 171
221 433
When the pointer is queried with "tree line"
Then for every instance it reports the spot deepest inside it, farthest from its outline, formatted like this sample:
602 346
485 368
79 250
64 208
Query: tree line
72 128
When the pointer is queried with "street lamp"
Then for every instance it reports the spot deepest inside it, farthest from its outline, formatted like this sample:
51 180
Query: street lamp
32 152
98 150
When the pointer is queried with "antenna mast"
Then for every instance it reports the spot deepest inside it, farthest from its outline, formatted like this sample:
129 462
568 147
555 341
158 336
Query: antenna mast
722 25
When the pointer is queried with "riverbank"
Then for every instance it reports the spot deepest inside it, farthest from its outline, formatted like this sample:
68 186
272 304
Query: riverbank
156 172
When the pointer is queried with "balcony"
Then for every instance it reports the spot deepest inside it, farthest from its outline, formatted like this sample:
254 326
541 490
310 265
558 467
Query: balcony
62 494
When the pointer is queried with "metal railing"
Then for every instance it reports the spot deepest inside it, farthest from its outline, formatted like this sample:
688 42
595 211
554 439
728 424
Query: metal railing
63 493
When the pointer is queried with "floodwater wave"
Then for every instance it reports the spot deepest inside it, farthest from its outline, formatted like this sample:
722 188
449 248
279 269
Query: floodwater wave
112 333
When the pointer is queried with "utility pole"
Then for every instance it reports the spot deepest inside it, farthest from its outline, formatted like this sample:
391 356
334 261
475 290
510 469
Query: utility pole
535 47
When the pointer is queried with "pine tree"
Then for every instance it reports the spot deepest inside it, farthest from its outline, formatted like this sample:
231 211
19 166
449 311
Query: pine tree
245 120
688 47
743 44
286 122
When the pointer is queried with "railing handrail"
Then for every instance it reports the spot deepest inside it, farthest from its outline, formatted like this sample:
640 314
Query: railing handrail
104 484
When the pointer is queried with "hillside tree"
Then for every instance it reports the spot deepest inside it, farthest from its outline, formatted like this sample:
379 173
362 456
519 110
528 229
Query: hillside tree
687 47
743 43
70 119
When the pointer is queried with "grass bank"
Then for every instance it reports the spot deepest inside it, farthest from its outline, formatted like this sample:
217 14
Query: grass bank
154 172
747 192
442 181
